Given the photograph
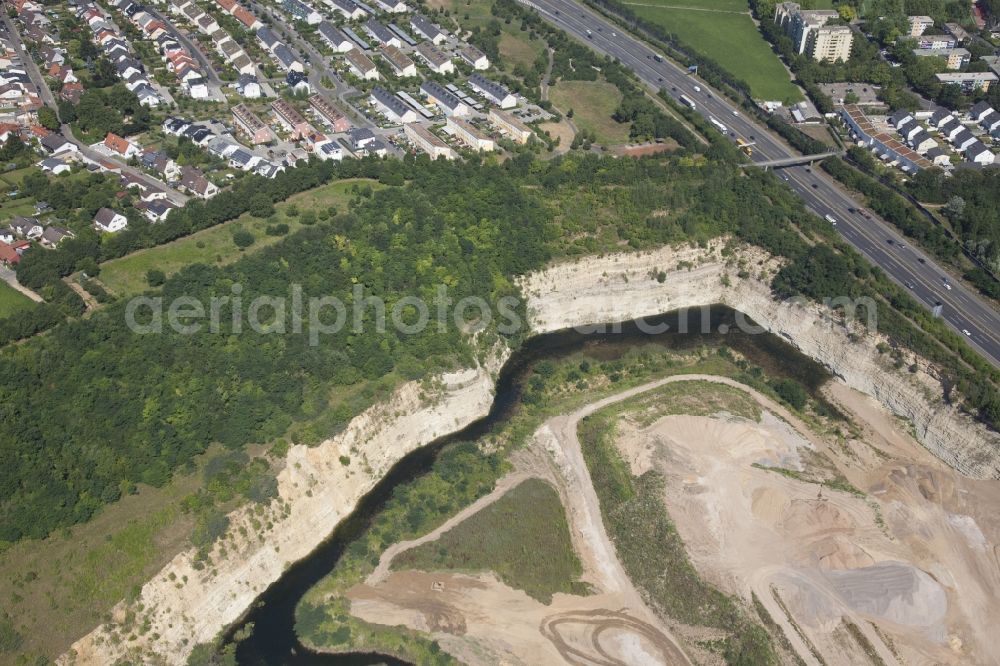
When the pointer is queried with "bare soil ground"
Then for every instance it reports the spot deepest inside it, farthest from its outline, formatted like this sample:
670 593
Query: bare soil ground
906 570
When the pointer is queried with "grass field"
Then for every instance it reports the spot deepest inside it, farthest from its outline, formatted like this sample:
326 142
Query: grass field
11 300
517 49
593 103
523 537
728 38
127 275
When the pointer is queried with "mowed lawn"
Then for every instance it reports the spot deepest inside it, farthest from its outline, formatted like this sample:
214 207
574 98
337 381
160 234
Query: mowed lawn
593 103
11 300
127 276
731 40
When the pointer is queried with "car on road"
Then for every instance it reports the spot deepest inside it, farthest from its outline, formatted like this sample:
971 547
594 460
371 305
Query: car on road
947 285
784 177
966 331
814 186
909 285
697 88
736 113
921 260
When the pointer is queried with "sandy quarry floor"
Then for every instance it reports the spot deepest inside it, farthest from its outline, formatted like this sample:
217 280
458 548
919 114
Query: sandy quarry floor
912 566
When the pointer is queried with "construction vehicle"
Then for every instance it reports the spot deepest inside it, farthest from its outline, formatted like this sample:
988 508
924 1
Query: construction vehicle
746 146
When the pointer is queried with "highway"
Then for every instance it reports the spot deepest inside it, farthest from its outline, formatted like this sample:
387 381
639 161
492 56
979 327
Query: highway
874 238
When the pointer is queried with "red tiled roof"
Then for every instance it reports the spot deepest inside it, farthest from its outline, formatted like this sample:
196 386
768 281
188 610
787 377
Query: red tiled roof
8 254
116 143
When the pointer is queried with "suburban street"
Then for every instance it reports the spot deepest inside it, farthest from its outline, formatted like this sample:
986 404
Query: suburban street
877 240
67 132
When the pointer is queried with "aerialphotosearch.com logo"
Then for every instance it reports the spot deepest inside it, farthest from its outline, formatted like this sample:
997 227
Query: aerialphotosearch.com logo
319 316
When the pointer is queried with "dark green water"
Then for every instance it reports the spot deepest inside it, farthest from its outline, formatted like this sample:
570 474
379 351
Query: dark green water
273 641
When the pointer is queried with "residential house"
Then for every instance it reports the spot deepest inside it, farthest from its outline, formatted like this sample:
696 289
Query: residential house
328 112
57 145
292 120
979 154
120 146
52 236
910 129
398 61
287 59
347 8
248 86
436 60
194 182
469 134
360 137
26 227
938 157
391 106
441 97
940 117
426 141
510 125
899 117
361 65
11 253
109 221
963 140
392 6
156 211
337 40
424 28
302 11
474 57
381 34
922 142
492 91
55 166
979 111
250 125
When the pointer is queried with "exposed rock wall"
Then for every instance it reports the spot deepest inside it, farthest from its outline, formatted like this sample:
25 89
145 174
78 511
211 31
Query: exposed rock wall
624 286
184 605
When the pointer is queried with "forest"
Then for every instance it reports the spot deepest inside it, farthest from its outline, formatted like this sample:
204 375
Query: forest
91 408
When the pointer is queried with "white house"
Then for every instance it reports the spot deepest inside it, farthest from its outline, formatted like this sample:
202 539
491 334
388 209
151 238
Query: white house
109 221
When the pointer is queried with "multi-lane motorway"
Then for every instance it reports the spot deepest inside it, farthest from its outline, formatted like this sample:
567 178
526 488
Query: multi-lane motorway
873 237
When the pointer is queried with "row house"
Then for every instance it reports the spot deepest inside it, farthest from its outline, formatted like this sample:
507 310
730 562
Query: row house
250 125
292 120
428 142
470 135
328 112
436 60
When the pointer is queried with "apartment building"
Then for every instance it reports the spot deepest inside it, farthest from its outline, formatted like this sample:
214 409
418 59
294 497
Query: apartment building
247 123
510 125
426 141
969 81
468 134
810 33
919 24
956 58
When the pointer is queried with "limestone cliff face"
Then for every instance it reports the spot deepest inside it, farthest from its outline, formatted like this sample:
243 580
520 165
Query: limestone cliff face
624 286
184 605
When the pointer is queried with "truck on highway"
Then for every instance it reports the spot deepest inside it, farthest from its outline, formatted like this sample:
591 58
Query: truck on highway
719 126
657 57
831 219
687 100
